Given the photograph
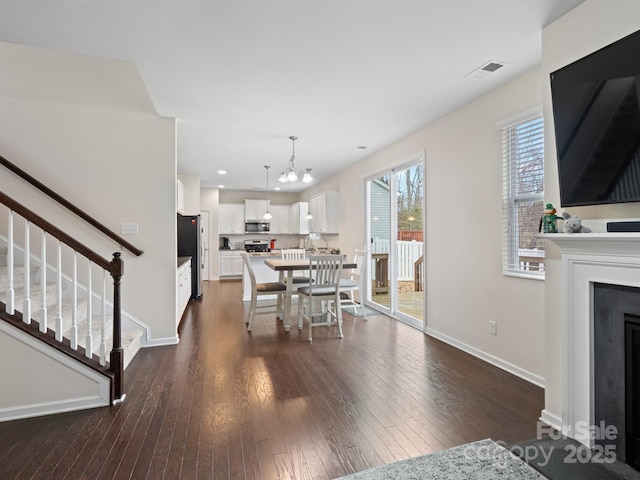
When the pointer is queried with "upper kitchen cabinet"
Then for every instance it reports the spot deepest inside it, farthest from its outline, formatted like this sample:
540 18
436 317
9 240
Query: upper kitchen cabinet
180 197
298 222
231 219
254 209
188 194
326 213
280 219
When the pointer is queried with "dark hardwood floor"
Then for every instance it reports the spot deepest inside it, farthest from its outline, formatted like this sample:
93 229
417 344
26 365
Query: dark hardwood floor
228 404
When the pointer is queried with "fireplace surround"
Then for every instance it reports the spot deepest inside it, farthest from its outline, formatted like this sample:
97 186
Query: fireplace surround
589 260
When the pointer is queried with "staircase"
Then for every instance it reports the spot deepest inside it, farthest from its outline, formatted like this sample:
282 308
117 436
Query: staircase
131 339
63 325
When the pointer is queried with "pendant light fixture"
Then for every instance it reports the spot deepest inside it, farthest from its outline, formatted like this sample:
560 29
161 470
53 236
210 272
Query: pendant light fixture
308 216
290 174
267 215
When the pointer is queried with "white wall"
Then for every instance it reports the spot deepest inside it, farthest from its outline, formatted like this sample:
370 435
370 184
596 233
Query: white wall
58 383
465 285
587 28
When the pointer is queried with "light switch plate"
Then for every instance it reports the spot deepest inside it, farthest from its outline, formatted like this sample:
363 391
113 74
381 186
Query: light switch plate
129 229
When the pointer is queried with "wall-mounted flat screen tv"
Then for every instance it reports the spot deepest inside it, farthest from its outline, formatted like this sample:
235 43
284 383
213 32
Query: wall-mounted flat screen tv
596 110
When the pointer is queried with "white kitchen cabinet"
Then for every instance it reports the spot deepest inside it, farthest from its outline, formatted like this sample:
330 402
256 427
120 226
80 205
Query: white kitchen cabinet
298 222
231 218
254 209
326 213
179 196
280 219
183 288
231 264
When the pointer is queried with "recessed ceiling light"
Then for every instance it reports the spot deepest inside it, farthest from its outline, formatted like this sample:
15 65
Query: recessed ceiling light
220 186
222 172
277 188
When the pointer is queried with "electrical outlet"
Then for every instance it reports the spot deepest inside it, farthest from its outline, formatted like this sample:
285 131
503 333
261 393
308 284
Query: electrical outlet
129 229
493 328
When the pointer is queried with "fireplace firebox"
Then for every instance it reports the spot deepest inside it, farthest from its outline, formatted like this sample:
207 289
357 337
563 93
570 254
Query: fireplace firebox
632 383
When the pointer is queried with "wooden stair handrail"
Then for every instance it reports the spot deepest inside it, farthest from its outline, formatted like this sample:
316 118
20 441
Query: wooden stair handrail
62 201
54 231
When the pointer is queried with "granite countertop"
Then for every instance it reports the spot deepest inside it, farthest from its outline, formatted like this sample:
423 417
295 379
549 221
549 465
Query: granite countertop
275 252
183 260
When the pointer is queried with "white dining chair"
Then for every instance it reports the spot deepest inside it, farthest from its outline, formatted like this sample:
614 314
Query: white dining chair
295 254
263 289
355 284
324 270
299 279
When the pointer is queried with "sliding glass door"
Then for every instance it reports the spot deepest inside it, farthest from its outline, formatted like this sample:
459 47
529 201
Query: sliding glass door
395 206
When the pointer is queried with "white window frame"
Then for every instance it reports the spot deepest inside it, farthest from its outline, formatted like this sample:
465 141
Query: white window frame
511 198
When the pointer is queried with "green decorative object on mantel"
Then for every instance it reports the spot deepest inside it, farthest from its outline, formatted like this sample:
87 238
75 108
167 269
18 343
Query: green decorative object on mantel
549 219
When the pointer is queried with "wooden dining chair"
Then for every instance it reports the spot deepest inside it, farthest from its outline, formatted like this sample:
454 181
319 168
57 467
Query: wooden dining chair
324 270
263 289
355 284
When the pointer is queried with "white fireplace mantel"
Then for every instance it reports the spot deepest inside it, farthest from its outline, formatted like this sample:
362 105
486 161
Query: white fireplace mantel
588 258
596 243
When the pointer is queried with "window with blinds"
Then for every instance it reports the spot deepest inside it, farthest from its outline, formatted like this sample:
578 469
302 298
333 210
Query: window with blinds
523 197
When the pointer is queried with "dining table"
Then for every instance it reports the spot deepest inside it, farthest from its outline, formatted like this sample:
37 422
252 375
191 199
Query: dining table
284 266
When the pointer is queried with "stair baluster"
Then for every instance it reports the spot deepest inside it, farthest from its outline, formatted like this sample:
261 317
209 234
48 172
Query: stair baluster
59 292
74 303
43 284
103 321
10 307
89 336
26 303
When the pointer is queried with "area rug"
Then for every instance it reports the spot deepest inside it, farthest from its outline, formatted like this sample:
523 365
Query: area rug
483 460
357 311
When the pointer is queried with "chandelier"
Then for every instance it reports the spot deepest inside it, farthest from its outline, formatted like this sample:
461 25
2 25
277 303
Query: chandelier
291 174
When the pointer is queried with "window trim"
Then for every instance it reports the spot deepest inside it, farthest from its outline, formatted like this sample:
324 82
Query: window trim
509 201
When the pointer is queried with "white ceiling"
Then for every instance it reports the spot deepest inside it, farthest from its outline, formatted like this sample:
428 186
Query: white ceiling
241 76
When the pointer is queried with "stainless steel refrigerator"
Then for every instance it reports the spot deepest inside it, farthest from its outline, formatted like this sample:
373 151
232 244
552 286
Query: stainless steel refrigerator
191 244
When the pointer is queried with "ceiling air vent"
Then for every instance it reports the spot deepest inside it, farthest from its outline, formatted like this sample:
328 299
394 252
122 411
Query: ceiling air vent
486 69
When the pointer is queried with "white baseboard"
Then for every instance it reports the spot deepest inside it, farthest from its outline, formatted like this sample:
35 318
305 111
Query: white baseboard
493 360
38 410
551 419
159 342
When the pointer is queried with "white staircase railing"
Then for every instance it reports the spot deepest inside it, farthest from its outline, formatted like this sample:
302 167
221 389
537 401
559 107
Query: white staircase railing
70 299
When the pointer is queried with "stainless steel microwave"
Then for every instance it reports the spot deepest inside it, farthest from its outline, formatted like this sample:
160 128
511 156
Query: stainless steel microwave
256 227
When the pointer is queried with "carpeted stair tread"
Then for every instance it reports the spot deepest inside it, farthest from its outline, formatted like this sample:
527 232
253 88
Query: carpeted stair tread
131 343
131 339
